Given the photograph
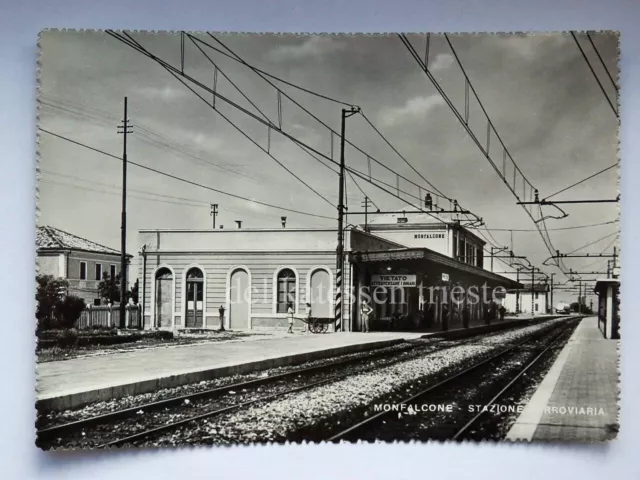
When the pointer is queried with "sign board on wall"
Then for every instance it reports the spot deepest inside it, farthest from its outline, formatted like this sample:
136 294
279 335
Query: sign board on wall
393 280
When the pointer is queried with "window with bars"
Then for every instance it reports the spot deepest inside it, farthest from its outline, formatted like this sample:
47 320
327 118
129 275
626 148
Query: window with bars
286 290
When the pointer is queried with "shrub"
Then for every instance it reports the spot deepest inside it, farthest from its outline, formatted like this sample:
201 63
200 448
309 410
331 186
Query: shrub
68 311
49 295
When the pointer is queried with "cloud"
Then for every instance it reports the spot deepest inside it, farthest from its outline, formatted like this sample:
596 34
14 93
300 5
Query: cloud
441 62
312 47
164 93
415 108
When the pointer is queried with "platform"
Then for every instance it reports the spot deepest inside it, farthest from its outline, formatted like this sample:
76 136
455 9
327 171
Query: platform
577 400
80 381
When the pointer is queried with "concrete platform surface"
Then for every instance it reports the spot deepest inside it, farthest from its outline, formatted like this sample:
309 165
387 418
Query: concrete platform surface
80 381
69 383
577 400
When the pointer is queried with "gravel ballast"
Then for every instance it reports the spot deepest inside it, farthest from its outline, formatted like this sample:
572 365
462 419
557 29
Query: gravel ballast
274 420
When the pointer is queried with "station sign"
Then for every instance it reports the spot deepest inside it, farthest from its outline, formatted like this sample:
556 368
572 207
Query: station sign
393 280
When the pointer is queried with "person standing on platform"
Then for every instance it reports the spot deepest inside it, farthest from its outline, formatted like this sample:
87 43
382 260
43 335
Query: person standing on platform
290 317
365 312
308 317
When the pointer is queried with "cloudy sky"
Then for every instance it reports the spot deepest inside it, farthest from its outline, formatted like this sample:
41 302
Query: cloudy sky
538 90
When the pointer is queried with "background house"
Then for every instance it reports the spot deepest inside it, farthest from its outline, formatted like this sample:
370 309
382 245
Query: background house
78 260
520 300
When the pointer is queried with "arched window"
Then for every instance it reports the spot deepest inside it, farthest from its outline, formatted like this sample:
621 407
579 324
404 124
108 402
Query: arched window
286 285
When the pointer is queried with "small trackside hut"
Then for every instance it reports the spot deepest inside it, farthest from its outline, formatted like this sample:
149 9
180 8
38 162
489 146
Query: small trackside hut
608 290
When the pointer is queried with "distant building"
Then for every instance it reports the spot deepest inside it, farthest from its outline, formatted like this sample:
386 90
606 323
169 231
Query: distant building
78 260
519 300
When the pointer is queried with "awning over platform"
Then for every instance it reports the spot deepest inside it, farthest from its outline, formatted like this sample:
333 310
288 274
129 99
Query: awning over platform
424 258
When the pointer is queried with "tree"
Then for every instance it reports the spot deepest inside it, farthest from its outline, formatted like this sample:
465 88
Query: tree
109 288
56 309
133 293
49 294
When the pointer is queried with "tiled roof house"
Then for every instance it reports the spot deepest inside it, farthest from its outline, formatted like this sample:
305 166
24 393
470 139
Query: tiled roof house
82 262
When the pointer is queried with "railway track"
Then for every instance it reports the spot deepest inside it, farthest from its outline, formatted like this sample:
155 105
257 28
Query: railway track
46 436
121 427
448 426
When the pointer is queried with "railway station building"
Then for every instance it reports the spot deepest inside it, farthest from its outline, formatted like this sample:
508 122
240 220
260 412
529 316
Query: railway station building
406 266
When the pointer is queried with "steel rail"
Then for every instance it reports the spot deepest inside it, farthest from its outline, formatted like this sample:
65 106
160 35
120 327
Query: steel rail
372 419
77 425
509 385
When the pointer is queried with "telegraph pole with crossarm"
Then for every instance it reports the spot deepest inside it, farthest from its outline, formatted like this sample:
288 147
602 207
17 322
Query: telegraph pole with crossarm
124 129
214 213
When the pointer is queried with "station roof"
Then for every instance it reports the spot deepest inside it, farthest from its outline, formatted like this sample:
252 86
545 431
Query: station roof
425 254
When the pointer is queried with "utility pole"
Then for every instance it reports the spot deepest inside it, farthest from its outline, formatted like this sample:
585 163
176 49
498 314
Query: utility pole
346 113
518 292
124 129
552 292
214 213
366 202
532 288
579 296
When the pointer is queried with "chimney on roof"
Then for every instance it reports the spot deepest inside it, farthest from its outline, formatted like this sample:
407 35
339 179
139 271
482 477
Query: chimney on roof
239 224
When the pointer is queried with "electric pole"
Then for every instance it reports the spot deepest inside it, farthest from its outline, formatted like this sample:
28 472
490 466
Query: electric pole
518 292
214 213
124 129
532 288
365 203
552 292
579 296
346 113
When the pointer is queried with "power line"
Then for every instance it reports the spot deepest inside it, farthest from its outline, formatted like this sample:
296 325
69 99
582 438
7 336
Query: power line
595 49
586 59
316 118
576 227
279 79
177 74
490 128
581 181
401 156
185 180
591 243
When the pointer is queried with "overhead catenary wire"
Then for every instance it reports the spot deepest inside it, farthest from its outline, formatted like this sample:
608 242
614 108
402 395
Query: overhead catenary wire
595 76
592 243
184 180
544 235
604 65
266 151
316 118
582 181
576 227
127 40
